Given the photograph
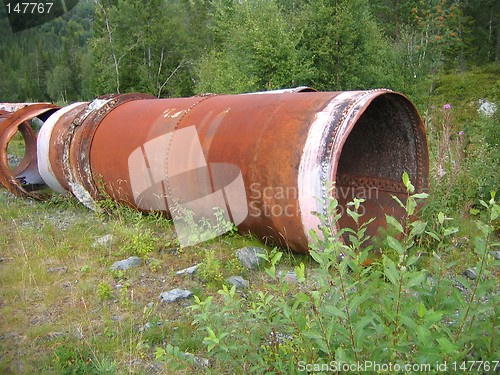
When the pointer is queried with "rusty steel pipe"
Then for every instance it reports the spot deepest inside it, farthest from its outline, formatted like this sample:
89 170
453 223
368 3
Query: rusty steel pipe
19 179
282 149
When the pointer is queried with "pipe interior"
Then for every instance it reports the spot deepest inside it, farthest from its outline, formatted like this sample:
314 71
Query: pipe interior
380 147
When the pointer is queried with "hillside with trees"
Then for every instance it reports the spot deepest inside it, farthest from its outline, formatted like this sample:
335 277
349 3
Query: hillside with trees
115 292
181 47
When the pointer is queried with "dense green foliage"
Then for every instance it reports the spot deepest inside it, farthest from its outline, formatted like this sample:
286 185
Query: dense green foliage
348 317
180 47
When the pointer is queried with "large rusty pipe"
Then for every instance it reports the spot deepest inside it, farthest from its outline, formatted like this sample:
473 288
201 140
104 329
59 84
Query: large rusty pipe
282 148
19 178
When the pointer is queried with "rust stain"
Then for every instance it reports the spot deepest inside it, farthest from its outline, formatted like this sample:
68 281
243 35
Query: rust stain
285 146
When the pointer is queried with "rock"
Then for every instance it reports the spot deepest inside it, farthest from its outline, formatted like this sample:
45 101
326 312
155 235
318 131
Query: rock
199 362
238 281
289 277
470 273
486 108
248 257
495 254
103 241
126 263
13 160
175 295
58 269
188 271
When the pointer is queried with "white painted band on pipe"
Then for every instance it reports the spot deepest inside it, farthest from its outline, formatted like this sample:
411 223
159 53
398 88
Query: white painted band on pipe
312 167
43 148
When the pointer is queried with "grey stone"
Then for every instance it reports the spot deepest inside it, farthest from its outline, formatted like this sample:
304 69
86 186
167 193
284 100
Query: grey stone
199 362
471 273
486 108
58 269
495 254
103 241
238 281
13 160
248 257
127 263
188 271
289 277
175 295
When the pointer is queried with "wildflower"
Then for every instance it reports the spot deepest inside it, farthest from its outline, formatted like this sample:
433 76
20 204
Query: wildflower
461 132
447 106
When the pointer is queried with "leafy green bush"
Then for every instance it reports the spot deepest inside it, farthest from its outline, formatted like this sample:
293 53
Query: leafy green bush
140 242
464 162
394 311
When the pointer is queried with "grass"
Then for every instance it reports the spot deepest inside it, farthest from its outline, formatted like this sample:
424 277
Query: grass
57 287
64 311
59 299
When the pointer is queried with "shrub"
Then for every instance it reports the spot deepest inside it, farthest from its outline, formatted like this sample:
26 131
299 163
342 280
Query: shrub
394 311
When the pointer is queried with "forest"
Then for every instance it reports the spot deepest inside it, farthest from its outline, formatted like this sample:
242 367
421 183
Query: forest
172 48
420 296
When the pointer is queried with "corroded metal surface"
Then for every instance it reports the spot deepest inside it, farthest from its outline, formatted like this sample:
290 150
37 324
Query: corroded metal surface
284 148
25 174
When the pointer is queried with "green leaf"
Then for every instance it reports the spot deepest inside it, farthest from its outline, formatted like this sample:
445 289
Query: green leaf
441 218
411 205
446 345
398 201
395 245
474 211
449 231
300 271
433 235
415 279
276 257
333 311
495 212
340 355
418 227
421 196
421 310
406 179
390 270
394 223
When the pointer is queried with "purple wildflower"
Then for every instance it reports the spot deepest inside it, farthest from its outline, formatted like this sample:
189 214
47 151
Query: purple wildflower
447 106
461 132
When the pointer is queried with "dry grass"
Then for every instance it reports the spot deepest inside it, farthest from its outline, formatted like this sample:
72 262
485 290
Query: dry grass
50 299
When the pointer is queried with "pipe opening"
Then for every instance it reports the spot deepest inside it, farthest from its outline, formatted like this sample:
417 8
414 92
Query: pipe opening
385 142
16 150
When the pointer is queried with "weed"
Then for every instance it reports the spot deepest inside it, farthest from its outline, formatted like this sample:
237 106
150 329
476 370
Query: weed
104 291
393 311
77 357
140 243
210 270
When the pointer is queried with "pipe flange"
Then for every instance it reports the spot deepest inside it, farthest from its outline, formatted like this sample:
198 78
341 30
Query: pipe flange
26 173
